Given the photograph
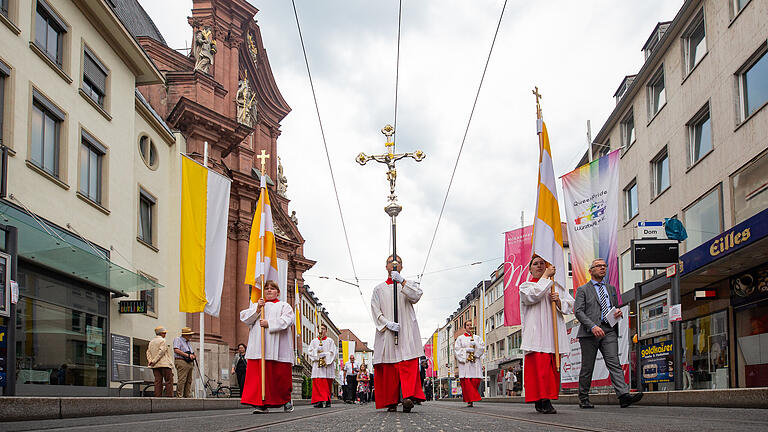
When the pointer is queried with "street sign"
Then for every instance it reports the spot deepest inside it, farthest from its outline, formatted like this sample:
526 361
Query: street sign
671 270
650 230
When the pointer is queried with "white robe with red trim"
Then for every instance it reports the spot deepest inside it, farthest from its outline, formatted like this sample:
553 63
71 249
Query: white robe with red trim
278 339
327 349
382 308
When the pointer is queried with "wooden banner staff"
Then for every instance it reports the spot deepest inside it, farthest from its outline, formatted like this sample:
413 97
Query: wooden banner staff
393 208
552 278
263 158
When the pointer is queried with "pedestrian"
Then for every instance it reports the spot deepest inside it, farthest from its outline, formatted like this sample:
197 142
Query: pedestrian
469 349
396 366
363 384
239 365
184 360
541 377
350 374
275 317
160 360
323 352
595 301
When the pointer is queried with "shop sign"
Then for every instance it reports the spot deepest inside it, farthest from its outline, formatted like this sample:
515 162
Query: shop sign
739 236
133 306
657 363
3 354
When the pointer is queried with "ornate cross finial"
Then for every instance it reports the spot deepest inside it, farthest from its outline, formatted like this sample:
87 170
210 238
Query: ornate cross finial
536 93
388 132
263 158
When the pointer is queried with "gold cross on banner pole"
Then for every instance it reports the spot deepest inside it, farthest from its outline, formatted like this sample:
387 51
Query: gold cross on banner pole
538 95
263 158
393 208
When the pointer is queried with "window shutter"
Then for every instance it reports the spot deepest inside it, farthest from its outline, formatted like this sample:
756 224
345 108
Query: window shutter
95 73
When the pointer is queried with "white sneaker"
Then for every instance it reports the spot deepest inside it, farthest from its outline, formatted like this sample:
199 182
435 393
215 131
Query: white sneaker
288 407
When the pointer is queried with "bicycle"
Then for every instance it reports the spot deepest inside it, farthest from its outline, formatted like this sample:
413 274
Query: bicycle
221 391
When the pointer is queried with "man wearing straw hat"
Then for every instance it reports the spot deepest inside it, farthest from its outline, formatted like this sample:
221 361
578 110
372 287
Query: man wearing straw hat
185 362
159 358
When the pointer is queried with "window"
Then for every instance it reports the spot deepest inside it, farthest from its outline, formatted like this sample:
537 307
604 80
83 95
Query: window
630 200
91 155
150 296
656 93
750 189
46 130
706 358
147 205
737 6
5 71
148 152
629 276
699 136
49 32
94 77
628 129
660 171
703 219
4 7
753 84
694 42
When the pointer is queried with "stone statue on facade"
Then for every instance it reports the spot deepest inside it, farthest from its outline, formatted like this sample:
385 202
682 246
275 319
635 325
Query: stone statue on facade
282 180
294 219
246 103
252 49
204 49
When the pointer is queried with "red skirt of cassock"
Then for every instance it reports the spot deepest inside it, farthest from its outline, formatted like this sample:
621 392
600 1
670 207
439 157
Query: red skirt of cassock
540 377
278 385
469 388
394 378
321 389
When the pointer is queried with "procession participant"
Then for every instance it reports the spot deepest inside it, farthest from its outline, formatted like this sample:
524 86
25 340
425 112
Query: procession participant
540 375
159 359
184 360
322 352
469 349
396 367
350 377
276 319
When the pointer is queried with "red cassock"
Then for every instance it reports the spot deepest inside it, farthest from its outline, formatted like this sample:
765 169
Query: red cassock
540 377
393 378
469 388
321 389
278 385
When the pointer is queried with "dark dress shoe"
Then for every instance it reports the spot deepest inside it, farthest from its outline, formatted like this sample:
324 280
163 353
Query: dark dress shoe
407 405
392 408
327 404
537 404
547 408
319 405
585 404
628 399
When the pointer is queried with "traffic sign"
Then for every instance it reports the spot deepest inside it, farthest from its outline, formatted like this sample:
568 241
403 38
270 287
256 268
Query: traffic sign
671 270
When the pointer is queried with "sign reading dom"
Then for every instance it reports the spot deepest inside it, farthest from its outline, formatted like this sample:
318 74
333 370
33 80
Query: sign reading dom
133 306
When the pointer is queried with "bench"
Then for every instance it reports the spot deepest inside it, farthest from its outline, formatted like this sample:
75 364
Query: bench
135 375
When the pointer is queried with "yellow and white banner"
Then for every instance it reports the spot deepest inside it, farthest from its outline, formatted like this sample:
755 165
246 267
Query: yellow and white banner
547 230
261 242
204 213
347 349
297 305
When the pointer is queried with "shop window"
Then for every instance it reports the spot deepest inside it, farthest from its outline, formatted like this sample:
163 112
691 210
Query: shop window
705 352
752 344
703 219
750 189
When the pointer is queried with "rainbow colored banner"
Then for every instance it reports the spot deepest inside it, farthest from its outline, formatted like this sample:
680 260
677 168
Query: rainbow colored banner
591 194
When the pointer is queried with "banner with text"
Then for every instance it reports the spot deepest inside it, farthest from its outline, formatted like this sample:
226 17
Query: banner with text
517 254
591 195
571 365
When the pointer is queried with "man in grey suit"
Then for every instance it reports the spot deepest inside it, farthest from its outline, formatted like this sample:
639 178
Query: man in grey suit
594 301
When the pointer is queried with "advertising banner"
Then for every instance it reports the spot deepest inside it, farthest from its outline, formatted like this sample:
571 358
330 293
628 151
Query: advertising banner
591 194
657 363
571 364
517 254
428 354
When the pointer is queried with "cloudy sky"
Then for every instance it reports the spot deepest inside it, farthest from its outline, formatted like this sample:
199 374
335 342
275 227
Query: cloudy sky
577 53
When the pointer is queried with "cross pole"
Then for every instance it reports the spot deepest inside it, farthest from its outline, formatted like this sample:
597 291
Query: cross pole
263 159
392 208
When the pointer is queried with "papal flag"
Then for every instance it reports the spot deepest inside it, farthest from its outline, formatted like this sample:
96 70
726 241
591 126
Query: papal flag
547 230
297 301
262 249
347 349
204 213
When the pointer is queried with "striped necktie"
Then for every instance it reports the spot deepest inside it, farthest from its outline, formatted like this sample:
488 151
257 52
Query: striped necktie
604 304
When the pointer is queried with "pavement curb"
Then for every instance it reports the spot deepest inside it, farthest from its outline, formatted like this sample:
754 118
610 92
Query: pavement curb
720 398
21 408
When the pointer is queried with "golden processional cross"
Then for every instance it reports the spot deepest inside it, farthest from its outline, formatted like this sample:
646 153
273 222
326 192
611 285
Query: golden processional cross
392 208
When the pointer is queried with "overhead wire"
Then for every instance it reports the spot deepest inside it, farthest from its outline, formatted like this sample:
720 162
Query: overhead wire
463 140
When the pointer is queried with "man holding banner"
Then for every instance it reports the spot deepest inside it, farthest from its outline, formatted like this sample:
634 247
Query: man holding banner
541 376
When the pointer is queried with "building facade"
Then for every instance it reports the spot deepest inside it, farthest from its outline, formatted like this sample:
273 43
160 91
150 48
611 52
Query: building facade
691 125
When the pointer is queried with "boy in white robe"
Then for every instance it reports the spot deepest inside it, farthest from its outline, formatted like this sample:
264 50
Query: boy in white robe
276 319
469 350
325 349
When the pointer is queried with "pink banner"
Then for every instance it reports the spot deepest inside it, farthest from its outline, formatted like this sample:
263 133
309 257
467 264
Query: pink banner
428 354
517 254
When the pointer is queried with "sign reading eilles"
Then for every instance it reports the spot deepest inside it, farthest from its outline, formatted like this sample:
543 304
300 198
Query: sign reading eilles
595 212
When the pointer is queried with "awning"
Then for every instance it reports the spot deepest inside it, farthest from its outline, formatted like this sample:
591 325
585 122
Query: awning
70 255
